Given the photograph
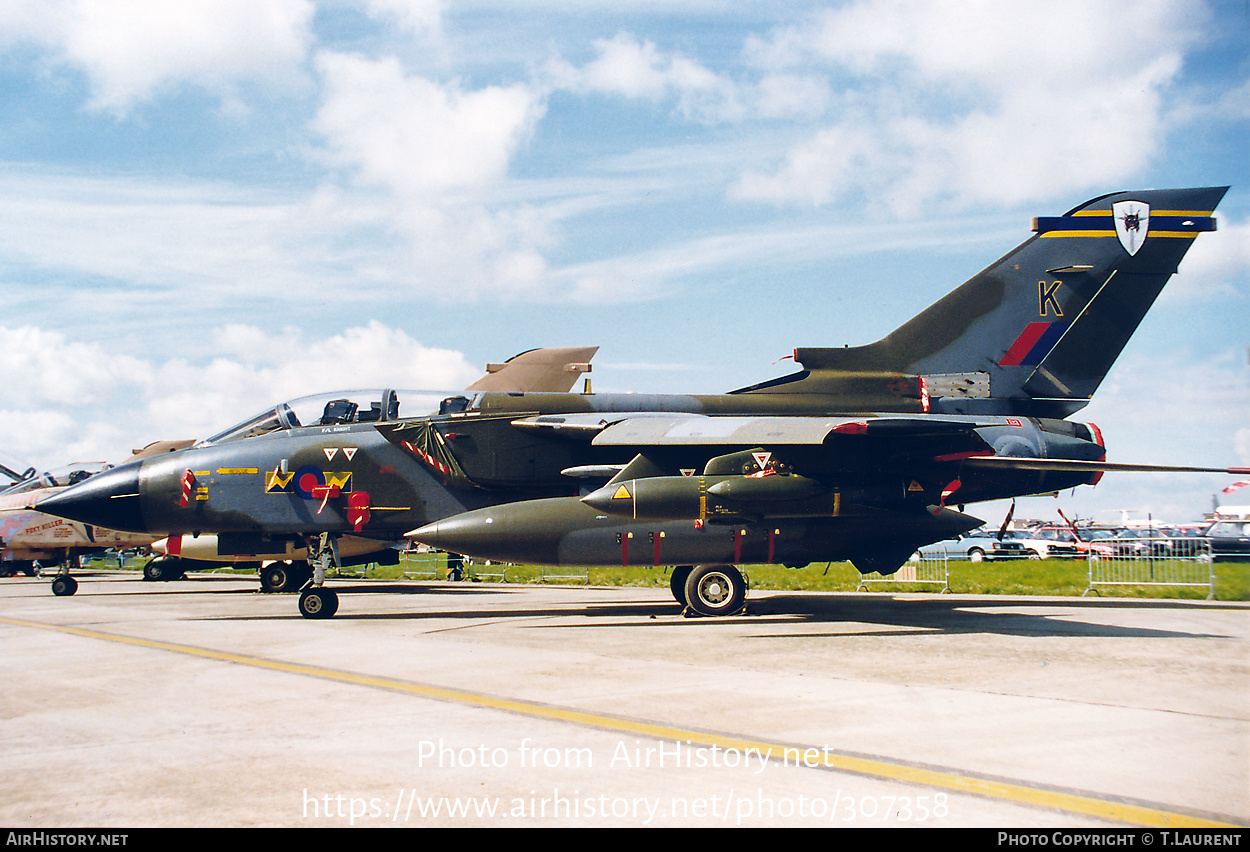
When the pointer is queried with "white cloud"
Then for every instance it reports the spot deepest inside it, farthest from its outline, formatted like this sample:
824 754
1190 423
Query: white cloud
1216 268
130 50
639 70
415 136
88 401
422 18
44 368
784 95
977 102
440 154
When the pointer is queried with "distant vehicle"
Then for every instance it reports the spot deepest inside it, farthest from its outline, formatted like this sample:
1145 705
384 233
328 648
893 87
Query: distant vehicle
1230 540
977 546
1141 542
1046 542
1094 542
1188 539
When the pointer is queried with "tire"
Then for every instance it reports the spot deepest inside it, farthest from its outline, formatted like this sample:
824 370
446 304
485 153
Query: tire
716 590
276 578
64 586
677 582
318 603
155 569
976 555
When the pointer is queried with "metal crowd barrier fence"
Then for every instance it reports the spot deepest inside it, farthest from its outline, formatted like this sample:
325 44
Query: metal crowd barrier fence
437 565
546 572
1144 561
423 565
931 570
123 559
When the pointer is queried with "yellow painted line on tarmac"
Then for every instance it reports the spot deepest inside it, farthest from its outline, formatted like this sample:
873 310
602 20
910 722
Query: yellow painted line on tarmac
814 757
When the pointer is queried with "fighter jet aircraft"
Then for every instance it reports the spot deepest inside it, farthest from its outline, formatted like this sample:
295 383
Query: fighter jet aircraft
284 567
30 539
13 471
860 455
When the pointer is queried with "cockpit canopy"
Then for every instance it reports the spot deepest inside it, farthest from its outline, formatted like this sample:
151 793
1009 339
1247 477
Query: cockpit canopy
338 408
13 471
69 474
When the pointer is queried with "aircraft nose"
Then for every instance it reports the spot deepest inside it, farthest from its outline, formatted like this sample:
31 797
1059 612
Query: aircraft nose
439 534
109 499
465 533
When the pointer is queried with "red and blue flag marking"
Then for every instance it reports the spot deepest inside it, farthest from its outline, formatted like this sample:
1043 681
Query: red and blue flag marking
1033 344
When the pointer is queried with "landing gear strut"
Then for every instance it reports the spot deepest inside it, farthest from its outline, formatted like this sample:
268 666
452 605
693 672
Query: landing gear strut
316 601
63 585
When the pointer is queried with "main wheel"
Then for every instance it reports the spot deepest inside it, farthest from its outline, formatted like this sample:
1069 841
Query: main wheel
318 603
677 582
158 568
716 590
277 577
976 555
64 585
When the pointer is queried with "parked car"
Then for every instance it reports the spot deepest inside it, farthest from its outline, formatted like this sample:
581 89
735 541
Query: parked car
976 546
1189 540
1230 540
1047 542
1094 542
1141 542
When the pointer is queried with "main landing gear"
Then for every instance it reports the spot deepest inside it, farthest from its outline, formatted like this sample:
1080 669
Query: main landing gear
709 589
284 576
161 569
316 601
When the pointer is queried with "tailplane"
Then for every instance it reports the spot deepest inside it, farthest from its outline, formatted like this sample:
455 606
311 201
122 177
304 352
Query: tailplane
1035 333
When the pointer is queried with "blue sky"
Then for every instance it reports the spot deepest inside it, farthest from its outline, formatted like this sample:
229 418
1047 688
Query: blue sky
210 205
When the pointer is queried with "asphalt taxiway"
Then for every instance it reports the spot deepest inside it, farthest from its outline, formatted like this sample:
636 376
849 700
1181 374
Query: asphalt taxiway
205 703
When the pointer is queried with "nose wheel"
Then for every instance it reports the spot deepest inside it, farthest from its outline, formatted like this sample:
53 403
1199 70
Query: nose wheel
64 585
318 603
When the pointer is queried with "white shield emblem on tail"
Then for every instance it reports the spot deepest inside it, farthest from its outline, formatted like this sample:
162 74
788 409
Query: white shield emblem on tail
1132 221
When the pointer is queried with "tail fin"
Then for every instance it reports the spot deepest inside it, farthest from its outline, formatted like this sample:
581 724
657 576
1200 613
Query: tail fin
553 369
1036 332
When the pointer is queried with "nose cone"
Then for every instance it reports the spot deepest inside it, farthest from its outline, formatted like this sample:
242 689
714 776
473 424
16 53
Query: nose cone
109 499
610 498
527 531
459 534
